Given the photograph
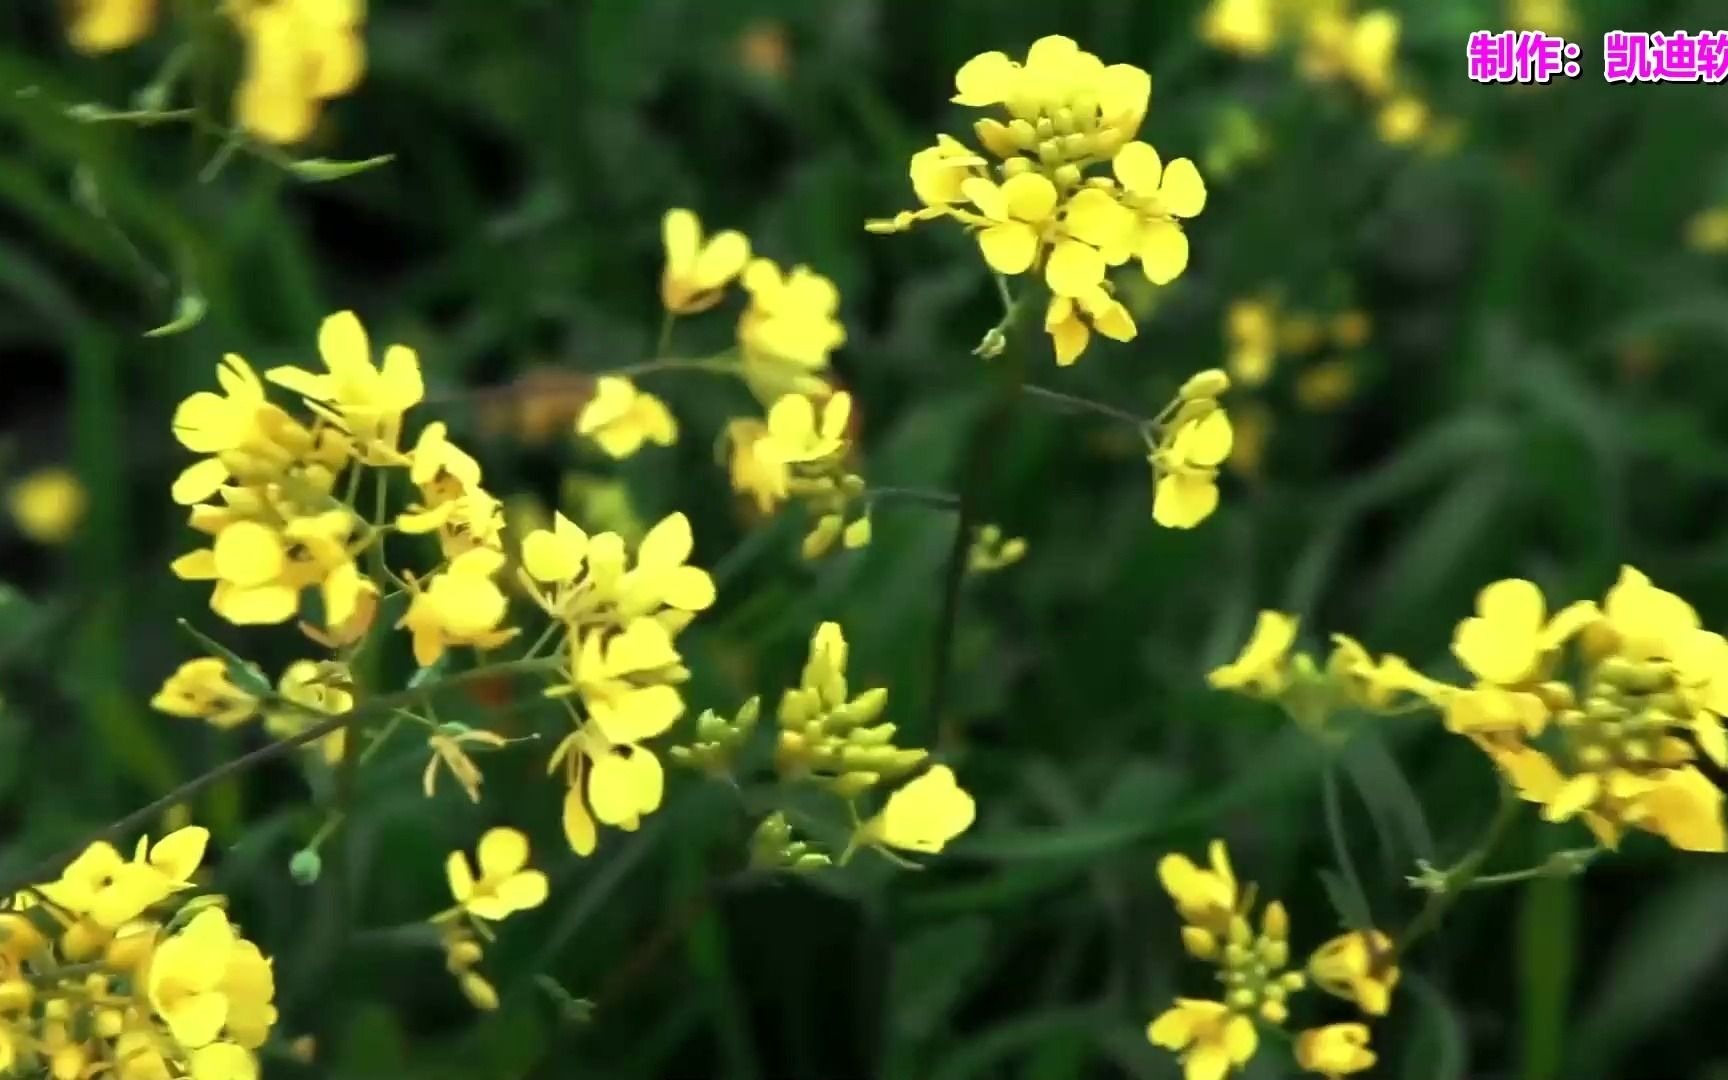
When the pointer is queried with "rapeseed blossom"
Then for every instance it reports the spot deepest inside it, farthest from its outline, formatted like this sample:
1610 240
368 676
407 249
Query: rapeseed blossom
698 270
1194 439
116 962
1036 209
98 26
831 736
620 418
48 505
298 55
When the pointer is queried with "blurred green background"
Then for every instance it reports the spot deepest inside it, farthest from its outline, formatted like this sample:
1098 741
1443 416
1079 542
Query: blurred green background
1542 396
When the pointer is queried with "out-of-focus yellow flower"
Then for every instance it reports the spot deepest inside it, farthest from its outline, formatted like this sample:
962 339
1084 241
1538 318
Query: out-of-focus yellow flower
1402 120
620 418
99 26
789 330
697 271
452 502
1244 27
1251 337
1326 385
366 402
207 981
463 605
1548 16
1207 899
1251 433
1510 637
764 49
505 885
800 453
1362 49
1350 329
299 54
1359 967
1335 1050
48 505
924 814
201 690
991 551
1209 1038
319 688
1707 230
1262 667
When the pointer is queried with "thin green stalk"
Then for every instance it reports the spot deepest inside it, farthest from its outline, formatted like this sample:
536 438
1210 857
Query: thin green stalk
941 500
46 869
1082 404
1452 883
986 436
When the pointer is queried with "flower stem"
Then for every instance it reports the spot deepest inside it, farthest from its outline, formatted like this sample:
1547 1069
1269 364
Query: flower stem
722 364
987 435
941 500
1074 402
1451 883
45 869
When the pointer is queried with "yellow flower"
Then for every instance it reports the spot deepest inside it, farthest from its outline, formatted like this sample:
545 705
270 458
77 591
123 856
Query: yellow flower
318 687
1185 466
1402 120
1244 27
615 784
627 680
461 953
98 26
452 502
1362 50
1263 665
1707 230
1250 328
697 272
620 418
299 54
207 981
1204 898
112 891
1015 214
789 329
1549 16
1160 195
1209 1038
797 437
1359 967
505 886
48 505
366 402
259 569
1325 386
1510 638
447 748
1070 320
761 477
1335 1050
1379 684
462 606
1100 106
201 689
924 814
251 442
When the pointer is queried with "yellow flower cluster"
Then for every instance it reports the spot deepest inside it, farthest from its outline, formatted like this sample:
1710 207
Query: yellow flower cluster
619 624
298 54
1212 1037
1258 330
503 886
1334 44
203 689
1596 712
1036 209
800 453
117 968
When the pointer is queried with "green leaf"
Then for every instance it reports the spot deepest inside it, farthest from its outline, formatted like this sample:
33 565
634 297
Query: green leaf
1438 1048
189 311
322 170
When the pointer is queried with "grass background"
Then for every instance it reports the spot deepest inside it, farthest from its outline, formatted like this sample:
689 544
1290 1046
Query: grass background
1543 397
